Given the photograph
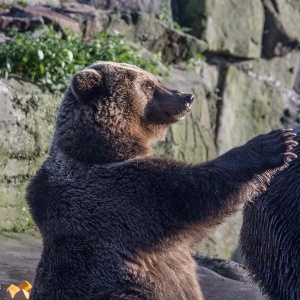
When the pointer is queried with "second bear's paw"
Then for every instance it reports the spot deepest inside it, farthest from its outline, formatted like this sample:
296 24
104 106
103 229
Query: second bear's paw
273 150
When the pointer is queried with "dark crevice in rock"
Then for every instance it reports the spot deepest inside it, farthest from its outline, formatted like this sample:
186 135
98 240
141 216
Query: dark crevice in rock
223 70
218 58
275 5
275 40
135 18
191 15
223 61
128 19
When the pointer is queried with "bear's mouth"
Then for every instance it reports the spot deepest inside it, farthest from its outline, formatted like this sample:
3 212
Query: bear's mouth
176 114
189 107
168 110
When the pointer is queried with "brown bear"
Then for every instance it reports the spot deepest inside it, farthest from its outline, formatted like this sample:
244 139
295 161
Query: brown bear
270 235
117 223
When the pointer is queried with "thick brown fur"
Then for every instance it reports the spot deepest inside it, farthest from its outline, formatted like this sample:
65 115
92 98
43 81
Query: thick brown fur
116 223
270 235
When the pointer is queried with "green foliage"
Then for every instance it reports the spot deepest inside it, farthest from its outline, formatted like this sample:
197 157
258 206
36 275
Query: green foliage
181 28
164 15
194 62
52 58
4 5
23 2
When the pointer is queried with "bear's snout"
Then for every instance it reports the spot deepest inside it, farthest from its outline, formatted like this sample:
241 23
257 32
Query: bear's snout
188 100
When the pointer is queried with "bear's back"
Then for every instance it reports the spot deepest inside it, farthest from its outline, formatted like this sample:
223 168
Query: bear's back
270 235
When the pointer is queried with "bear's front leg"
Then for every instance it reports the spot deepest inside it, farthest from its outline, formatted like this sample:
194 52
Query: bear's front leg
209 192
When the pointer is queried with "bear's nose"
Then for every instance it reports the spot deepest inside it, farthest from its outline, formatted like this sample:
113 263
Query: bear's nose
189 98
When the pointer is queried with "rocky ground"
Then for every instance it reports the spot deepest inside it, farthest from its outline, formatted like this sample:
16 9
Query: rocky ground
20 254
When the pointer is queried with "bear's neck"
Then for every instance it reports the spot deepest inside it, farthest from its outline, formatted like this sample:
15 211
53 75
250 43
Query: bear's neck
100 148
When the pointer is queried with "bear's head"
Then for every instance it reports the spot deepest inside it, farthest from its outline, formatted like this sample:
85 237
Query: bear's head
113 112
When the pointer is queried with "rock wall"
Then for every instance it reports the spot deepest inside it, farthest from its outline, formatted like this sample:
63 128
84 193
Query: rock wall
246 83
243 29
27 117
221 25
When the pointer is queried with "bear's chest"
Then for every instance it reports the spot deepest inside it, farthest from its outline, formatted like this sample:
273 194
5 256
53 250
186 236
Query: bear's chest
169 274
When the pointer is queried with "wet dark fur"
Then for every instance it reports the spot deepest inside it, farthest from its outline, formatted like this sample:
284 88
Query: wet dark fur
270 236
116 223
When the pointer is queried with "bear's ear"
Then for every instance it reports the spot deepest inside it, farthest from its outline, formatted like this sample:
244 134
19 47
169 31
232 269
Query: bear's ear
87 83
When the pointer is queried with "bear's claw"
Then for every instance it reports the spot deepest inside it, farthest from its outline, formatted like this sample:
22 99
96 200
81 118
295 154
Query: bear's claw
290 155
291 144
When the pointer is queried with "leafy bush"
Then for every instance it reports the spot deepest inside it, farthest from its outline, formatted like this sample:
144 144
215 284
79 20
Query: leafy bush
181 28
52 58
165 16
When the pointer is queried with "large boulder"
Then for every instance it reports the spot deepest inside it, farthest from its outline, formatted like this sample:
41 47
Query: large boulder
8 22
91 20
229 27
153 7
48 15
171 44
254 98
72 16
289 11
26 124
